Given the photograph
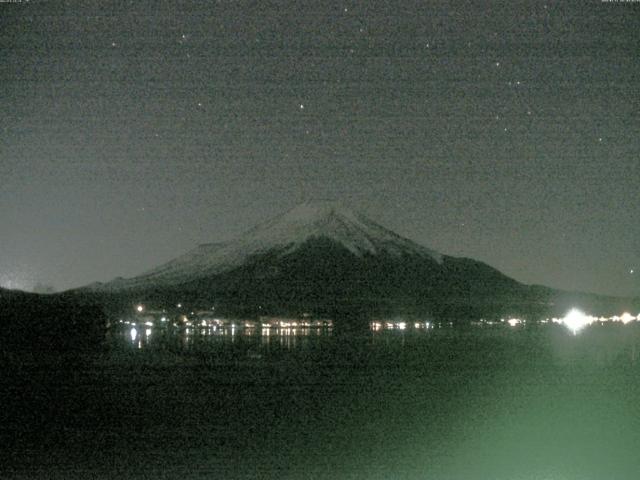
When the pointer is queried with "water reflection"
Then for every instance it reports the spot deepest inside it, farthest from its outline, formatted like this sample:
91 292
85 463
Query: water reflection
402 325
598 343
446 400
187 337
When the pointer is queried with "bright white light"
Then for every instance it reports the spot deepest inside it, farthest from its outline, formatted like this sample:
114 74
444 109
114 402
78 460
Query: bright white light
139 308
576 320
627 317
513 322
402 325
147 332
134 334
179 305
149 324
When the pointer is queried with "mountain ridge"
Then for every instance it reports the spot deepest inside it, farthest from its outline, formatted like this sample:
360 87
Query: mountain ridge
285 233
328 260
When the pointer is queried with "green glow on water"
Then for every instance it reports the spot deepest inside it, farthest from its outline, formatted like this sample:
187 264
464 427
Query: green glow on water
496 404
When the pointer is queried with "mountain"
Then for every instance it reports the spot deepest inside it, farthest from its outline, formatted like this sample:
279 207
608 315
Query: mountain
282 235
326 259
9 294
49 324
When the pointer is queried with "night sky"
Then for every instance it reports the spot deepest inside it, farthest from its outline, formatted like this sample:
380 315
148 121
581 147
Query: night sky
505 131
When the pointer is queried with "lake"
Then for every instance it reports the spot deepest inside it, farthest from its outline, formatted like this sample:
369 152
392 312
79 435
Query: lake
484 402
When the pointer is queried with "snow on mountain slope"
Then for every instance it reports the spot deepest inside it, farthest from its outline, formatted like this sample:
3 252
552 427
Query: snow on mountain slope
283 234
330 220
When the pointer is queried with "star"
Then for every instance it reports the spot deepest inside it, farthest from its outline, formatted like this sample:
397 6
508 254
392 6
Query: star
631 271
497 64
114 44
301 106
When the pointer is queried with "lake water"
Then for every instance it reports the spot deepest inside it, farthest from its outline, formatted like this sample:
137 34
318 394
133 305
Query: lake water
535 402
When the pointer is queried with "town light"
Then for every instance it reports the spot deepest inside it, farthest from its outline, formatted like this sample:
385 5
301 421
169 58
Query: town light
576 320
627 317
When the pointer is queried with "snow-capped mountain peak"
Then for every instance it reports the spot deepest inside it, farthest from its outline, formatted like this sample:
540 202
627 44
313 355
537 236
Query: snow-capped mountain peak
334 221
284 234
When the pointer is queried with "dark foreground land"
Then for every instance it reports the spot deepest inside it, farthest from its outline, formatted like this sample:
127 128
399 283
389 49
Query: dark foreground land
451 403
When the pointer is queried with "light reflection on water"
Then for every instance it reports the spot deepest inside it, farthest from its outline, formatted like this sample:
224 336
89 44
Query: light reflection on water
485 402
597 344
494 402
287 338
